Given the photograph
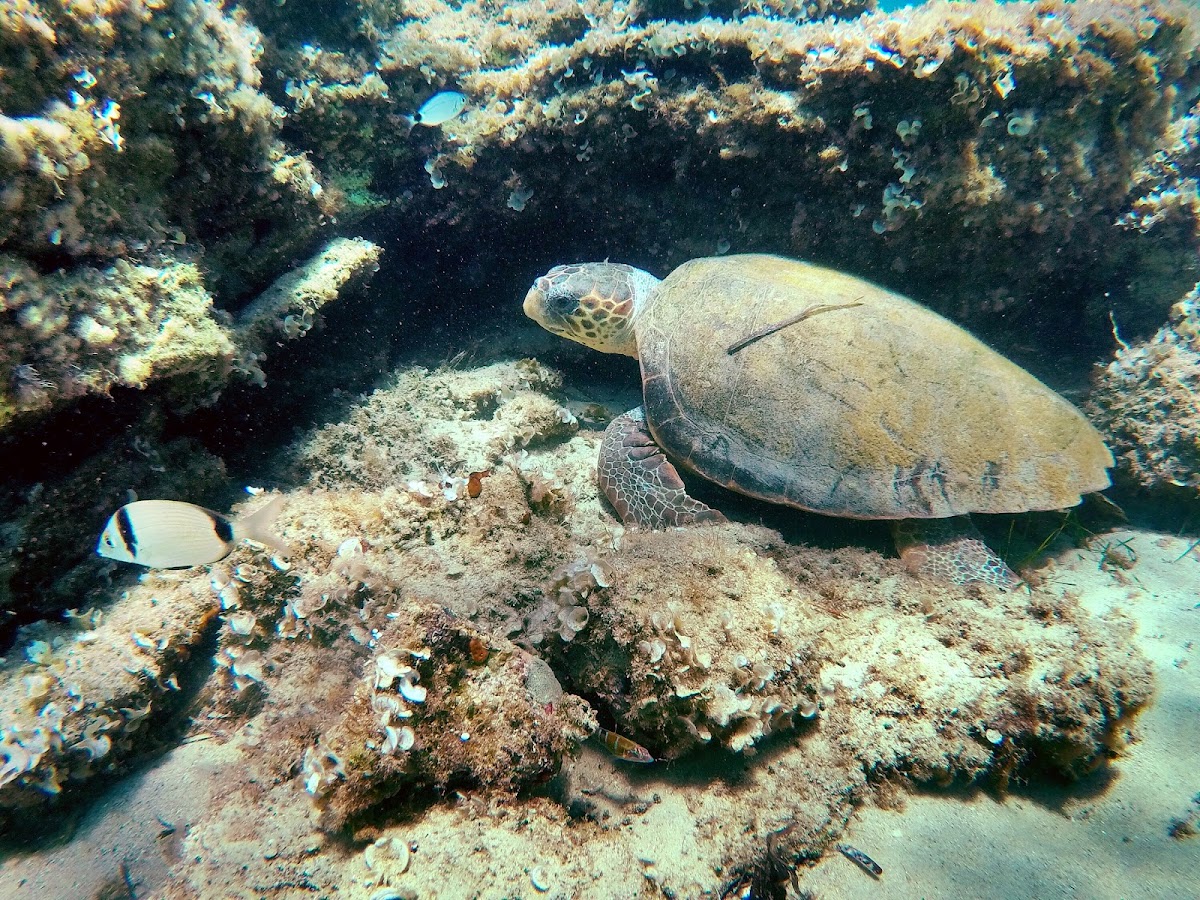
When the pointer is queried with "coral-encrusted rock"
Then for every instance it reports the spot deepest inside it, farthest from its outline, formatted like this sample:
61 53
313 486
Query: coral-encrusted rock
1146 403
727 634
694 638
128 125
444 707
91 330
77 700
889 145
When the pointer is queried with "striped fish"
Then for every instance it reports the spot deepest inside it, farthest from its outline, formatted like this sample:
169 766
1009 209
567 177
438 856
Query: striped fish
623 747
171 534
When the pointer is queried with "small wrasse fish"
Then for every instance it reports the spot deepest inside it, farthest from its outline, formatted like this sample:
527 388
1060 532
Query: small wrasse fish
623 747
171 534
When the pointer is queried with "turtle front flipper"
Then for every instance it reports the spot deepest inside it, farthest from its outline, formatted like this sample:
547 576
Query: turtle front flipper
640 482
950 550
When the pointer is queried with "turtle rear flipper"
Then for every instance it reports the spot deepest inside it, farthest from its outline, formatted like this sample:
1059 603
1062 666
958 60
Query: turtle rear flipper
950 550
641 484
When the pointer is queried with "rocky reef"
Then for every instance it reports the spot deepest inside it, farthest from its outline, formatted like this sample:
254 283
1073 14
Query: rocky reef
1146 401
880 143
88 331
728 635
428 640
129 126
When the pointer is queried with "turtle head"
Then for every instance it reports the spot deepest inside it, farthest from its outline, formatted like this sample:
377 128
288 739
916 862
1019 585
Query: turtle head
592 303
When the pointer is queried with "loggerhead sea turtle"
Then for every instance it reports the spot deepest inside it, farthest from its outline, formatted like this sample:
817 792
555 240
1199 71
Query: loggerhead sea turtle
811 388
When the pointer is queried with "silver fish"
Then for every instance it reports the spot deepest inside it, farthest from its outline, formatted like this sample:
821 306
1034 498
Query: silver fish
441 107
171 534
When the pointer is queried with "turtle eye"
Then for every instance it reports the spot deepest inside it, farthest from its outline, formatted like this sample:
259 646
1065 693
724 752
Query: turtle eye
561 301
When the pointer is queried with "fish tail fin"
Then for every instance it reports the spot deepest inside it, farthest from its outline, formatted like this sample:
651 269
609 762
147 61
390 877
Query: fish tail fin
256 526
410 122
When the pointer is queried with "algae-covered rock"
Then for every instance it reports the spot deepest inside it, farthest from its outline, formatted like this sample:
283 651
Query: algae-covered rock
290 306
87 331
727 635
724 635
414 672
78 700
443 707
1165 207
891 145
145 186
1146 401
129 126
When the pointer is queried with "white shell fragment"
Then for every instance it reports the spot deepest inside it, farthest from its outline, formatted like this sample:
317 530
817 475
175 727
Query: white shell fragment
436 179
409 689
230 596
419 489
39 653
653 650
389 707
573 617
95 746
141 640
516 201
602 573
249 665
388 855
320 767
388 668
307 604
84 621
398 740
539 879
350 547
241 623
38 686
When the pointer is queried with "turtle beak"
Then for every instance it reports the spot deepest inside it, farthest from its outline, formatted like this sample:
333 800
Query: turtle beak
533 302
536 306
